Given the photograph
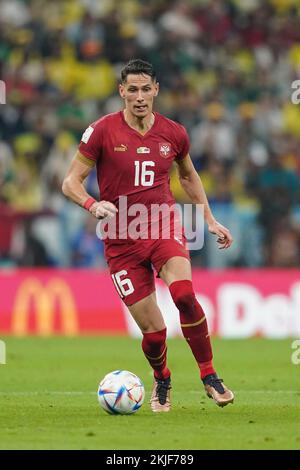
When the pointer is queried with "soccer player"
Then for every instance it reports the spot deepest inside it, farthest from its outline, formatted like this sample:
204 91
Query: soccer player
133 151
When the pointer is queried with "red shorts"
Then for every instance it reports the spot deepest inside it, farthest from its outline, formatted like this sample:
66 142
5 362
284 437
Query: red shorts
132 270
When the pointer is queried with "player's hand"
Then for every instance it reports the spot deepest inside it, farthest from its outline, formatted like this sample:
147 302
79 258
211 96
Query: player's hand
103 209
224 236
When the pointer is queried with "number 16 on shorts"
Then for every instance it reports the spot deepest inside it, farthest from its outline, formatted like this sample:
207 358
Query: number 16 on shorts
122 283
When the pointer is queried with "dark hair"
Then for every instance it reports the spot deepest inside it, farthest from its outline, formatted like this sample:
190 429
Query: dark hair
137 67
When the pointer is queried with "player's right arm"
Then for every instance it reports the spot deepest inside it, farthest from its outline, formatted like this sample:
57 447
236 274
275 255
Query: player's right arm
73 188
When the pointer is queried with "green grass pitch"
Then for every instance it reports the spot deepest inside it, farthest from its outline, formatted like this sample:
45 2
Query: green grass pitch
48 397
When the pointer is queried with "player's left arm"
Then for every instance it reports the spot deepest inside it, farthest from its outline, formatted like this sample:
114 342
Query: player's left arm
192 185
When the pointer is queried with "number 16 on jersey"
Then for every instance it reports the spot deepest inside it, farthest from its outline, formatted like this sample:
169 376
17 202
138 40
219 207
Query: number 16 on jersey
143 176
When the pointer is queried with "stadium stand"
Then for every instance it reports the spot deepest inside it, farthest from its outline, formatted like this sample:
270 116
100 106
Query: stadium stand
226 71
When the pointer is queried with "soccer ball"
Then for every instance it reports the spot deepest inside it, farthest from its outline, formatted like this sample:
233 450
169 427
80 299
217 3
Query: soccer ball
121 392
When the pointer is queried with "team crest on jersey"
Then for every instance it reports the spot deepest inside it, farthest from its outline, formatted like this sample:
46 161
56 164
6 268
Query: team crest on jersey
165 149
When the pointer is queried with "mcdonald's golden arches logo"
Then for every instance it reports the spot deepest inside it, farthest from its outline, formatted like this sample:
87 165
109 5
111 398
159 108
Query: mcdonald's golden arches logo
44 297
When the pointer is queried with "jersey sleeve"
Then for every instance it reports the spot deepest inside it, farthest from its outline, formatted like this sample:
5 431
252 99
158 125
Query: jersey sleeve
183 143
91 143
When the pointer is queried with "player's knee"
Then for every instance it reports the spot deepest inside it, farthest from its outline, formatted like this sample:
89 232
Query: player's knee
183 295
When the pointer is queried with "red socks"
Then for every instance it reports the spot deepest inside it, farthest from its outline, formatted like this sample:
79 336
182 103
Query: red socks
193 325
155 349
194 328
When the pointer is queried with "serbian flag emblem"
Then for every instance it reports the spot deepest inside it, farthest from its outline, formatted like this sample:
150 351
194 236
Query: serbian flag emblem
165 149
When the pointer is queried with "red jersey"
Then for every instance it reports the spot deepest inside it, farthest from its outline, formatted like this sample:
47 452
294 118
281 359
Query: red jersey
134 165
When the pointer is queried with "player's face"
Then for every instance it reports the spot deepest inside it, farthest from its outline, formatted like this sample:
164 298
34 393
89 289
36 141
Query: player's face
138 93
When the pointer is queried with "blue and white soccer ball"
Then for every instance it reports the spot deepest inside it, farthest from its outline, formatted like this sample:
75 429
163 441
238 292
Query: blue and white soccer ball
121 392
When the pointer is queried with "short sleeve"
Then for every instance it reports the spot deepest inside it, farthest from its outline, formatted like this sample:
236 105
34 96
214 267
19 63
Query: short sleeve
183 143
91 142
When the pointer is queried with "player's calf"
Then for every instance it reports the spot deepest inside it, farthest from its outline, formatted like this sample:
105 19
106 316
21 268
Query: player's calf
193 324
155 350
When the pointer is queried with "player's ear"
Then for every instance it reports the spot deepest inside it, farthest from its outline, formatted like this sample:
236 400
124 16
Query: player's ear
156 89
122 90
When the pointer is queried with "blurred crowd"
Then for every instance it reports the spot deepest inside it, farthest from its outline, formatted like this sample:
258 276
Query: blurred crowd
225 69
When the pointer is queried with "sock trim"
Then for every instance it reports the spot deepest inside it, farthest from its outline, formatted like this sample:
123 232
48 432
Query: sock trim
160 363
188 325
156 358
